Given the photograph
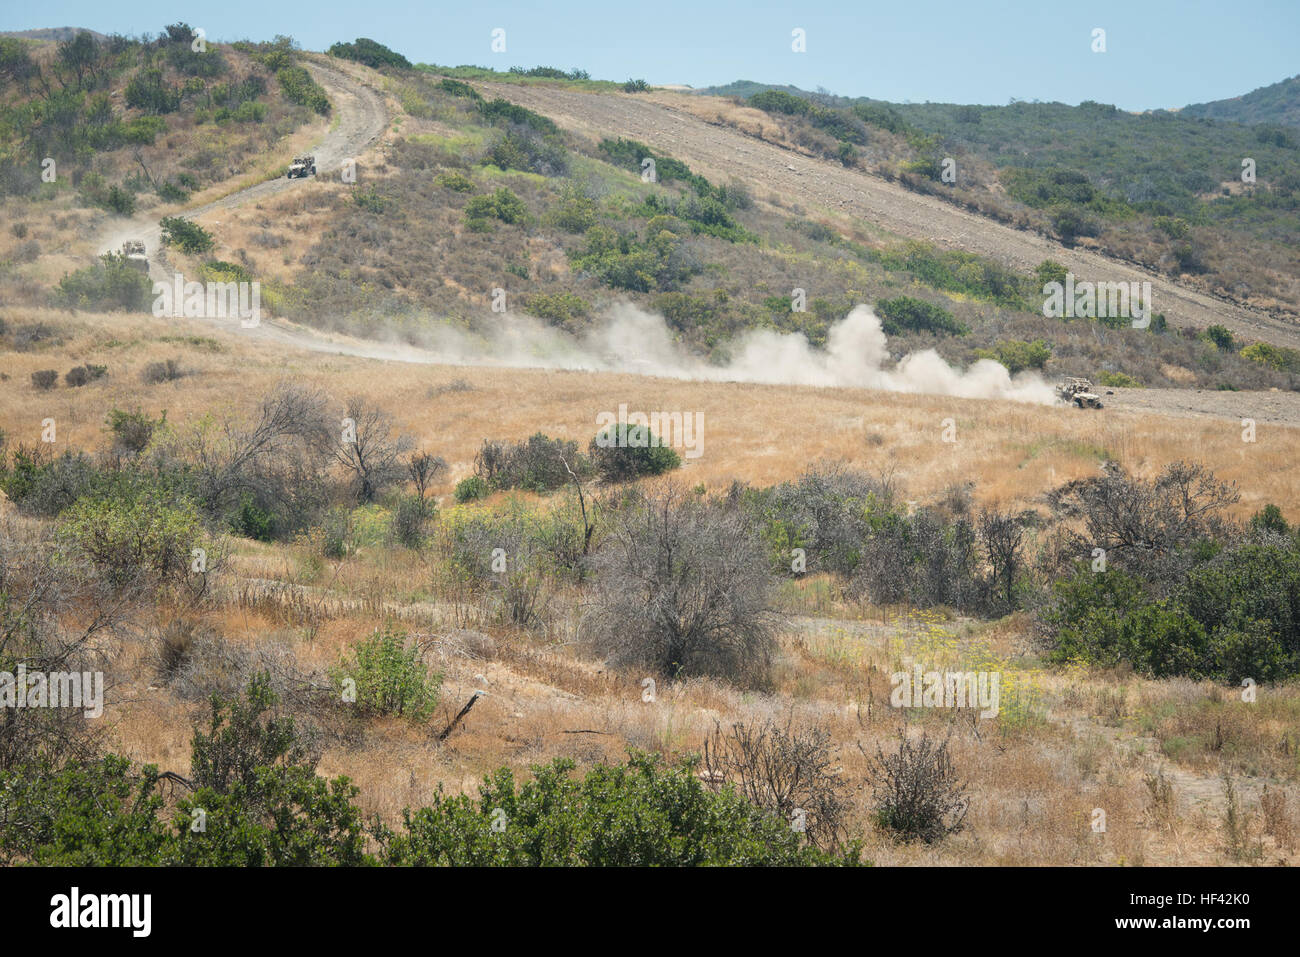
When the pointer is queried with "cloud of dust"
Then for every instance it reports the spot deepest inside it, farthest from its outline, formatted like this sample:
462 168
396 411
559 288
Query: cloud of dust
633 340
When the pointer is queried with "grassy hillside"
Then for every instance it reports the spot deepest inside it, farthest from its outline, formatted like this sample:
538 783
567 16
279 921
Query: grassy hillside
1161 189
351 611
477 195
120 124
307 574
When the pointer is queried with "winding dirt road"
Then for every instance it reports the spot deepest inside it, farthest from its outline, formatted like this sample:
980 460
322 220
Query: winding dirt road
361 119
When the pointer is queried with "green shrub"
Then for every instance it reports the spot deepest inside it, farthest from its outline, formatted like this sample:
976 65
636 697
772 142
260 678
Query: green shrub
370 199
560 308
1275 357
47 486
471 489
1221 336
1018 355
148 91
1070 224
529 152
1234 616
97 812
369 52
109 285
1049 271
1270 519
458 88
253 521
624 452
575 212
390 676
502 204
906 314
186 235
139 530
504 113
244 737
1088 613
300 88
624 262
638 814
454 181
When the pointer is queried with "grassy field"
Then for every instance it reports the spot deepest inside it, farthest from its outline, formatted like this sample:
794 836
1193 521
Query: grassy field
1151 754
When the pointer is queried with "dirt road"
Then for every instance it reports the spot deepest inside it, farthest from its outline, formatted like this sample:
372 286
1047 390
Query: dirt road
1264 408
360 119
723 153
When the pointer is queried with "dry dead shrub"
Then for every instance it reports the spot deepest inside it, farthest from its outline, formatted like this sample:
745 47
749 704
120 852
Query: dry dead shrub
918 795
785 770
682 587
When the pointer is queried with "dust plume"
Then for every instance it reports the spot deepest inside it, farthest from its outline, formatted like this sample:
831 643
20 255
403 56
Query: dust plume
632 340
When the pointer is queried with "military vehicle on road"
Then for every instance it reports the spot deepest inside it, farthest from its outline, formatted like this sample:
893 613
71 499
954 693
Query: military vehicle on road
301 166
1079 391
133 251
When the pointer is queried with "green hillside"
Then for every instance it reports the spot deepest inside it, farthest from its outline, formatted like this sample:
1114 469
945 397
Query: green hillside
1276 103
480 194
1167 190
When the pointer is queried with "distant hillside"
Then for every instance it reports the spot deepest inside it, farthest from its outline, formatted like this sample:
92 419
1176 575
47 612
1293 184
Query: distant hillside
747 88
1277 103
1163 188
54 34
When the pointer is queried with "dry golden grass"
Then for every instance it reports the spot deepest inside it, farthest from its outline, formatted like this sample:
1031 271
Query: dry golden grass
1069 741
761 434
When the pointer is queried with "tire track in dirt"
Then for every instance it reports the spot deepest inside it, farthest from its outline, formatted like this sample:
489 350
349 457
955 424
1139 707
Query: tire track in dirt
721 152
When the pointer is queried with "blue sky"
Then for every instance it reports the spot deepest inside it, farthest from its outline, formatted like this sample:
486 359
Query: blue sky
1160 53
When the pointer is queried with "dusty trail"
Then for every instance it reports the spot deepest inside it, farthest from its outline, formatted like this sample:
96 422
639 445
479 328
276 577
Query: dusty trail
362 118
723 153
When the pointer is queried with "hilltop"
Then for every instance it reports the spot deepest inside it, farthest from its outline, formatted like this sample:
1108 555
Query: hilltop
1276 103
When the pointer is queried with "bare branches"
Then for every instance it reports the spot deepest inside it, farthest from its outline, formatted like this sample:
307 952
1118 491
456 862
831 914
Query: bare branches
424 470
916 790
369 450
783 770
1121 513
682 586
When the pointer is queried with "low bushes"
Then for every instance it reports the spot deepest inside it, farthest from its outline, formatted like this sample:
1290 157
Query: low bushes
681 588
918 795
137 530
110 285
185 235
538 464
906 314
501 205
624 452
385 674
254 789
639 814
1234 616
